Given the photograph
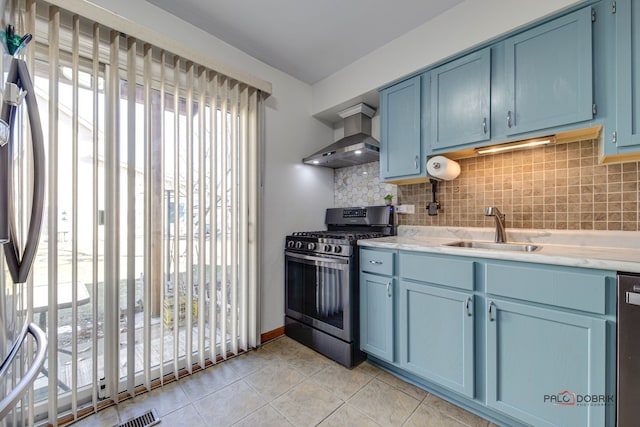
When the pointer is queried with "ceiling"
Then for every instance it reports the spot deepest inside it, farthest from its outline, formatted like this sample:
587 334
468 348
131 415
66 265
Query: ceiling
309 40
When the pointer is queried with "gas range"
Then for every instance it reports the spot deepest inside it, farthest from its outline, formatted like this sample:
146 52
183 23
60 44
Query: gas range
339 243
345 226
337 235
321 280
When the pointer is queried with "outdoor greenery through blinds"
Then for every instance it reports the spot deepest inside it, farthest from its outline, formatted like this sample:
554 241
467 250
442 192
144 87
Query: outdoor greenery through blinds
147 265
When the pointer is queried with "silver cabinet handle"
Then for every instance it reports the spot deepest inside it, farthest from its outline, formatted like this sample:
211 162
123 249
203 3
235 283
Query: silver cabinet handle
484 125
491 319
389 289
509 118
467 306
415 162
375 262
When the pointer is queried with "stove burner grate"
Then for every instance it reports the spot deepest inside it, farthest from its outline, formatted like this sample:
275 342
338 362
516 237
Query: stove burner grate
337 235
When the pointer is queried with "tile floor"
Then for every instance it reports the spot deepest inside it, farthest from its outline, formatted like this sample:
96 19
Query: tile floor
286 384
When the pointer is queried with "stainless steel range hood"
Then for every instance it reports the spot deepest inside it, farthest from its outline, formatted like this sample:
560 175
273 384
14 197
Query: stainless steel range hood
357 146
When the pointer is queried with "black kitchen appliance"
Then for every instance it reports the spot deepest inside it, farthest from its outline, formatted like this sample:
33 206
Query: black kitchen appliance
628 366
321 280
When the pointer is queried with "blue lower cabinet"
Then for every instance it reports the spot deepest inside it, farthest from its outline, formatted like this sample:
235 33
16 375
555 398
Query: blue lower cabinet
376 315
544 366
436 335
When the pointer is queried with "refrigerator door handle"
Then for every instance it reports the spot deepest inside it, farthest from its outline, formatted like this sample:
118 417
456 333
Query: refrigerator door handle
19 265
29 377
632 298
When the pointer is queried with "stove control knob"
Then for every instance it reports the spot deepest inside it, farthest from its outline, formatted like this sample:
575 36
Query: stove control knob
298 245
337 249
327 248
290 243
311 246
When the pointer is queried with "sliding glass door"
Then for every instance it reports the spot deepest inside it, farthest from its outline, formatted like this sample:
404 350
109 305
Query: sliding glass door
147 262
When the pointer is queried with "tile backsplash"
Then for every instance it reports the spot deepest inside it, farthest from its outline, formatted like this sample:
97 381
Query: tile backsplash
555 187
360 186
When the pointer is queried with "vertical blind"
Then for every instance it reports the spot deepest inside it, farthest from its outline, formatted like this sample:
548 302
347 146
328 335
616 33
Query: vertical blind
149 255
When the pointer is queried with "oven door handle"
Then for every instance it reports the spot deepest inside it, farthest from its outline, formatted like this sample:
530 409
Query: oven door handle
317 259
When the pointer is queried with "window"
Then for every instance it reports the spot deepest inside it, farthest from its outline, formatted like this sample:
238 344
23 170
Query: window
147 264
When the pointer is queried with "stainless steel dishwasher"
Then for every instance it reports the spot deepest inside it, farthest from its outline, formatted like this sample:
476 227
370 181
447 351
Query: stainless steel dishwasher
628 408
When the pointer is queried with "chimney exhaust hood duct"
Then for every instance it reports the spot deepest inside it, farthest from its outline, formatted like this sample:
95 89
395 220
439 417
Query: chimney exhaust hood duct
357 146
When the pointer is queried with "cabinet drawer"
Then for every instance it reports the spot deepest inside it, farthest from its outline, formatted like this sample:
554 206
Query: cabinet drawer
569 288
445 271
376 261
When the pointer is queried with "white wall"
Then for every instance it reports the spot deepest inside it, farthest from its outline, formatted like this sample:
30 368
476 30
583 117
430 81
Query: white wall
466 25
295 196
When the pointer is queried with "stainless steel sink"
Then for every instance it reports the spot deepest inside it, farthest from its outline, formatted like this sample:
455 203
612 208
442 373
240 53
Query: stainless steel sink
516 247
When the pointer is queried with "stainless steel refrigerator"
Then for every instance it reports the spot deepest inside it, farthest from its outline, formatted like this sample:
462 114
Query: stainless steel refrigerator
20 248
628 395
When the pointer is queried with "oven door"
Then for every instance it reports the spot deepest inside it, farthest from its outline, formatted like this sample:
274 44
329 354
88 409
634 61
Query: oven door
319 292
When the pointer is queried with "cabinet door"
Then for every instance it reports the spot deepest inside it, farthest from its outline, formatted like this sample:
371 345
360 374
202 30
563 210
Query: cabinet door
549 74
541 361
436 335
376 315
628 72
460 101
400 151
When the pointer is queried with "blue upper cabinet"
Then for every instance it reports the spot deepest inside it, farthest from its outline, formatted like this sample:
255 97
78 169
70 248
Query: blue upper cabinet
549 74
401 154
460 101
627 77
571 76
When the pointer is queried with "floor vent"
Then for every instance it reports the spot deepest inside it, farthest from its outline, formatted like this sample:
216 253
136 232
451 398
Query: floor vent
149 418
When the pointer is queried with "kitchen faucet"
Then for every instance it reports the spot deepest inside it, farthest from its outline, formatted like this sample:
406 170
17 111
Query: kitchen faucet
501 234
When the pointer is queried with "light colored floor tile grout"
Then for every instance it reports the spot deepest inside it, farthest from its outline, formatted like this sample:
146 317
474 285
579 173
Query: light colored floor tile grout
354 393
361 412
292 422
260 394
402 391
331 413
183 382
257 409
283 415
274 352
179 409
416 408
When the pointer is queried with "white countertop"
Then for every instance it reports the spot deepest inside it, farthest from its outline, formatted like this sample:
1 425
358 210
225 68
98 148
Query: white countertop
604 250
